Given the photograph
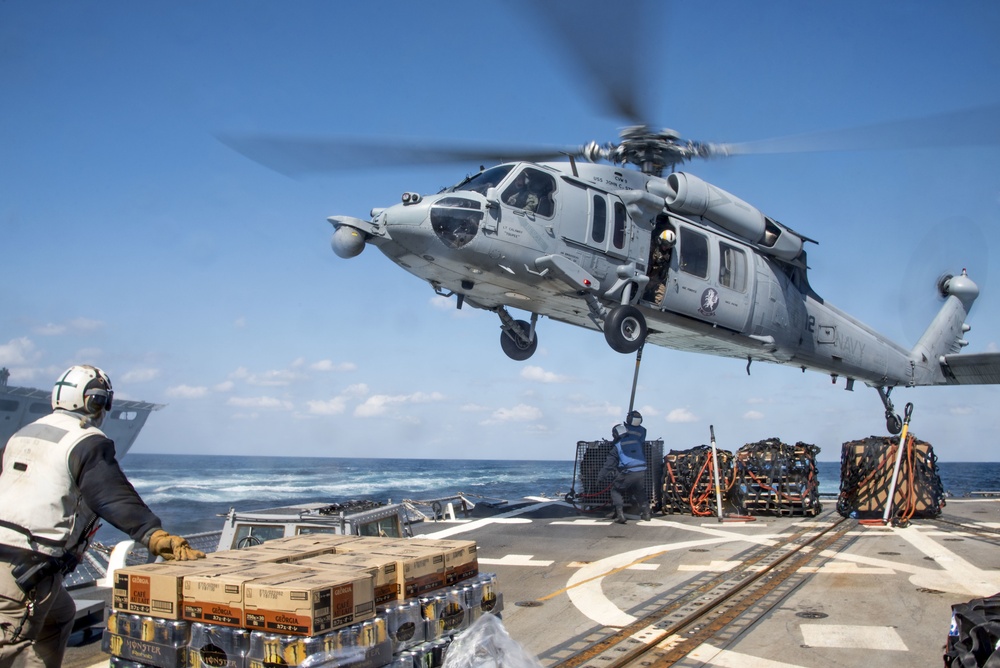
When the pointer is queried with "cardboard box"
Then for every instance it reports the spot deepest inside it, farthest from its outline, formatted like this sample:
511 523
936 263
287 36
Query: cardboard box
313 603
155 589
383 569
422 568
367 543
461 557
217 597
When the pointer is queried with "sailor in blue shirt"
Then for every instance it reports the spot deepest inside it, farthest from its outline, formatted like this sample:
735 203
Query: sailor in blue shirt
627 462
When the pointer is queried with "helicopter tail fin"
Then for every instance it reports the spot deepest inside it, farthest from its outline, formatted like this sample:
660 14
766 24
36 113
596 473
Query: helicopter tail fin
937 350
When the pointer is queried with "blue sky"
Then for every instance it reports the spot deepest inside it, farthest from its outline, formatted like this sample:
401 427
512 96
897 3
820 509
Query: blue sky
133 239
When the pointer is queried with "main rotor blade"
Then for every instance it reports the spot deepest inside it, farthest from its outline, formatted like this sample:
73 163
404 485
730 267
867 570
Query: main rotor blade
607 42
300 155
979 126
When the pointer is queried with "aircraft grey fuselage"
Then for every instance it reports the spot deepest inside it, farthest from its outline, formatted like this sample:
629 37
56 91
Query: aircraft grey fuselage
672 260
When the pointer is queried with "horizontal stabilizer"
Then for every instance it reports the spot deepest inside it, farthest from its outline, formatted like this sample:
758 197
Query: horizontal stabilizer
972 369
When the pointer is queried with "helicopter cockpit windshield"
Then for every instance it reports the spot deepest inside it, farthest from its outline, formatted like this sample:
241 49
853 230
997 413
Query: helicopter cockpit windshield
484 180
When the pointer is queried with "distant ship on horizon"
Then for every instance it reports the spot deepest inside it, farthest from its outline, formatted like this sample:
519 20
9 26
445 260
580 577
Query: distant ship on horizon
22 405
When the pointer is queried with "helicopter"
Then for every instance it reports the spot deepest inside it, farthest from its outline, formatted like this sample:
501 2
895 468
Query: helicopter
618 239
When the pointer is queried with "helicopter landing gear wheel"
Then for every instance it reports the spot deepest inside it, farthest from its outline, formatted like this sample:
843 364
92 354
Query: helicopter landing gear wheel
893 423
514 347
625 329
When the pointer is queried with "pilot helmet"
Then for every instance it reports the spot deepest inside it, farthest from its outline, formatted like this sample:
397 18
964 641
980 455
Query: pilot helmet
668 238
83 389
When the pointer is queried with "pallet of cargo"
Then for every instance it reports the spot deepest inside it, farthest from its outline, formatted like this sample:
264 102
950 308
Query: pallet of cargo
774 478
866 471
688 483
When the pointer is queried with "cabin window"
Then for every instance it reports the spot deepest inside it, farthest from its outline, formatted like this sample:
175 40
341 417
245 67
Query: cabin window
304 531
385 527
8 406
248 535
40 409
599 224
531 190
732 267
694 253
619 236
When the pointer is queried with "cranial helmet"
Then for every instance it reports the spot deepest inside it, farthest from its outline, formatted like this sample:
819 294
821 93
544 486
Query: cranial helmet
618 431
83 389
635 418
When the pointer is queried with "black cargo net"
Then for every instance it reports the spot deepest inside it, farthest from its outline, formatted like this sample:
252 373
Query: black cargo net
774 478
689 483
591 490
866 469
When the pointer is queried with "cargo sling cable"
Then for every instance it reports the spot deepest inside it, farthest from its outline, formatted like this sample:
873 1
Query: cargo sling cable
717 603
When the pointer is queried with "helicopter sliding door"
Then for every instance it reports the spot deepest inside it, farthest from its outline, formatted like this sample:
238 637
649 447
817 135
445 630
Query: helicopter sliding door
710 279
602 224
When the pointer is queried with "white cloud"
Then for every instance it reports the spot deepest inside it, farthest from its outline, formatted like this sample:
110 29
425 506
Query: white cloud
962 410
329 365
240 322
75 325
538 374
473 408
273 378
519 413
49 329
187 392
681 415
379 404
356 390
85 324
753 415
334 406
267 403
18 351
140 375
582 407
224 386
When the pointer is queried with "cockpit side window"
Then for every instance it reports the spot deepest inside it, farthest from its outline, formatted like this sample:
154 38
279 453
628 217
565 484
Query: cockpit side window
531 190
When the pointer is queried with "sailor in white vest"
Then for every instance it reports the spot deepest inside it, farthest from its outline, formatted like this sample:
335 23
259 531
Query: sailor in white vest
57 476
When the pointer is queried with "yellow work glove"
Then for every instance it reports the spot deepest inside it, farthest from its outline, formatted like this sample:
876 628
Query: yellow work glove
171 547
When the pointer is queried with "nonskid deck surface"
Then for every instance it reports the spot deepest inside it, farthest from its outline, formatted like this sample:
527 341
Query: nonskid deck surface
686 591
778 591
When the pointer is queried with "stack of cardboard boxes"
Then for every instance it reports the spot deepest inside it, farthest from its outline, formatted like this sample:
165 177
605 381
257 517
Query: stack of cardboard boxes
329 599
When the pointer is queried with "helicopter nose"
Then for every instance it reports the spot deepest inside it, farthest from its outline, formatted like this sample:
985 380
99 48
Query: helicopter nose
409 226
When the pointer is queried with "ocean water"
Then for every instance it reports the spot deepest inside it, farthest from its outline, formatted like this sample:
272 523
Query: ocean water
190 493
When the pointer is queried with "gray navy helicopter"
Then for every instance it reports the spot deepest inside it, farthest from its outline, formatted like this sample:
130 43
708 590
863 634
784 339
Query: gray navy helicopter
615 239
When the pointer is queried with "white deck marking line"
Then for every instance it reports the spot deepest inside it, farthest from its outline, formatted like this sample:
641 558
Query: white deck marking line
584 586
953 575
725 658
846 636
510 517
972 579
715 566
515 560
848 568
